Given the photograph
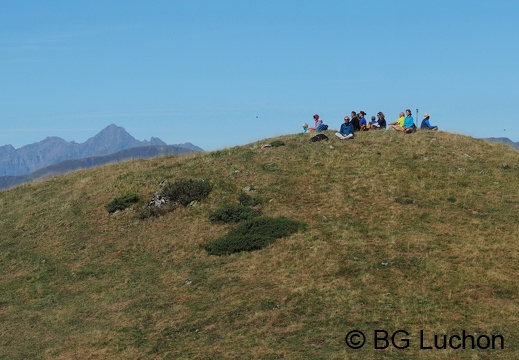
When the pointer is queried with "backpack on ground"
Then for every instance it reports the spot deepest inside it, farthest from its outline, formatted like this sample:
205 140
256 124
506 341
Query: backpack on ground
319 137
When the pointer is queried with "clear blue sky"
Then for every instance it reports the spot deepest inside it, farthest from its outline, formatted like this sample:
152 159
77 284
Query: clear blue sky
224 73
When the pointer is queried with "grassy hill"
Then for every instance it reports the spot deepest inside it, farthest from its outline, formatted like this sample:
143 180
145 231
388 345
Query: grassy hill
404 232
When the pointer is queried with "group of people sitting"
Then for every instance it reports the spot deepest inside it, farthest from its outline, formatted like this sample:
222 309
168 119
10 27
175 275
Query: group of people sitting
358 122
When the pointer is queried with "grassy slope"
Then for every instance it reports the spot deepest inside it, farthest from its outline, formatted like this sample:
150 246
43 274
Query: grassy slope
405 232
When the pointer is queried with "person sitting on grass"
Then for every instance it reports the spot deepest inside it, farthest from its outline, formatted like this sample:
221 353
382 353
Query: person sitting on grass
426 125
372 123
380 124
318 126
409 125
346 131
355 121
362 121
399 124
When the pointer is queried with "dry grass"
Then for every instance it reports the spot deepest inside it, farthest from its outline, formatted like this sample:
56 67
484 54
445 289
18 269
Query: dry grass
405 232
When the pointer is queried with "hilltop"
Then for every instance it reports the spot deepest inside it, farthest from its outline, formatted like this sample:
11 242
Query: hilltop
413 232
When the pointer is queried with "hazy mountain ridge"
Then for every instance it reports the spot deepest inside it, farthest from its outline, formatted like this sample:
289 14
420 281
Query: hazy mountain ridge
141 152
504 140
52 150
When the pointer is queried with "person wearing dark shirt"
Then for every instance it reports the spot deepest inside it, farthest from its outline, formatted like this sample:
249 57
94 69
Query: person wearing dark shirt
355 121
381 122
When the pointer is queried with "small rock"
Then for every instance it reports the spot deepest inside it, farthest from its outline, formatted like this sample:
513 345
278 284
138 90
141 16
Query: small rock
505 166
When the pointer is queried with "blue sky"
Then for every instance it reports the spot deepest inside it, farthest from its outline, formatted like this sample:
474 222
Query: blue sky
225 73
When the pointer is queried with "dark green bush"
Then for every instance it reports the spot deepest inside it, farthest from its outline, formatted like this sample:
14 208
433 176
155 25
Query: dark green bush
247 200
186 191
277 143
230 244
121 203
233 213
253 234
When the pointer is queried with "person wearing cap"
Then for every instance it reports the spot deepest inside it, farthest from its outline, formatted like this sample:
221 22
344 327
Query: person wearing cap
362 121
346 131
318 122
426 125
318 126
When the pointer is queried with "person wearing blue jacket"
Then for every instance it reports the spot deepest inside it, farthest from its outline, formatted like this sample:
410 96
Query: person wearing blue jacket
426 124
346 131
409 125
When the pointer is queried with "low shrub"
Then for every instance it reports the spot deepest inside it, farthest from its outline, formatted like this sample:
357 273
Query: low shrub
253 234
121 203
231 244
187 190
233 213
247 200
277 143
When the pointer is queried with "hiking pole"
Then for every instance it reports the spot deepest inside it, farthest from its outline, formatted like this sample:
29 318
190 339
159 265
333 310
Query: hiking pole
416 118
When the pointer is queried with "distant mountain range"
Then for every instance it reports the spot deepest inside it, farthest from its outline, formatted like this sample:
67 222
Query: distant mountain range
54 155
506 141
